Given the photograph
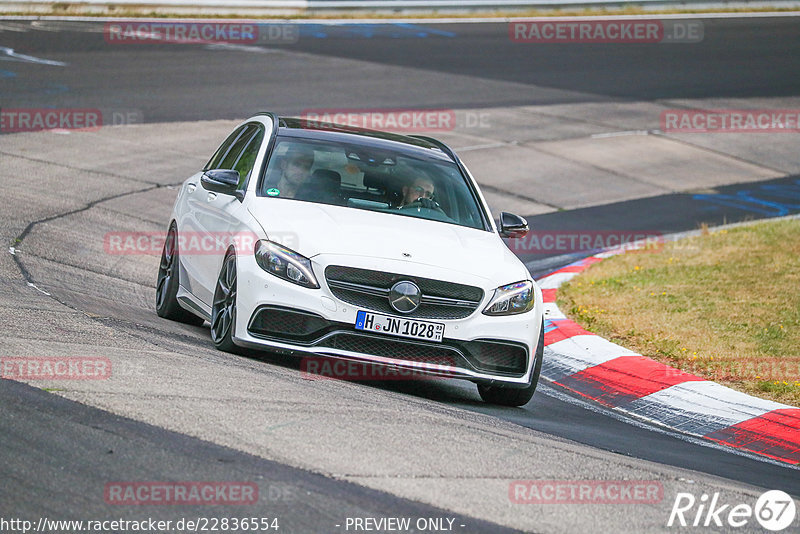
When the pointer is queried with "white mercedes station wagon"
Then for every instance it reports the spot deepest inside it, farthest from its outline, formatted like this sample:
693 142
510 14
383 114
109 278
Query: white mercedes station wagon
340 243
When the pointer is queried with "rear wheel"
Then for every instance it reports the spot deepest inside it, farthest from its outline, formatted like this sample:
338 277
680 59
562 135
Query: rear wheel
168 281
505 396
223 310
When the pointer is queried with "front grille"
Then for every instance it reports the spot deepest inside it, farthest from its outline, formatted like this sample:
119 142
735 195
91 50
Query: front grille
396 349
483 355
369 289
311 330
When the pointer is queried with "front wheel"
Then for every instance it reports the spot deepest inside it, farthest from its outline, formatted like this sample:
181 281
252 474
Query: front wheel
512 396
168 281
223 310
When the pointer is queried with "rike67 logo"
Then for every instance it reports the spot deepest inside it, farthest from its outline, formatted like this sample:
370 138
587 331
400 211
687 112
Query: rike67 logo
774 510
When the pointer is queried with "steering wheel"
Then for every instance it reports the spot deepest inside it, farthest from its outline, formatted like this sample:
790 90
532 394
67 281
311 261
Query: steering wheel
423 202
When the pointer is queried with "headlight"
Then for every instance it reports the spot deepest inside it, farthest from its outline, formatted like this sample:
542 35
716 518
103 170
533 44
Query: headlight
511 299
285 263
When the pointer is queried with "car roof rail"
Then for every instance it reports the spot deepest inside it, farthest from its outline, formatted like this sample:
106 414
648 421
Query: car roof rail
441 146
271 115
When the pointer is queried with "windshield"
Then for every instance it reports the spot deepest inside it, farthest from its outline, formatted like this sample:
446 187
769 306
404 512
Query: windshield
376 179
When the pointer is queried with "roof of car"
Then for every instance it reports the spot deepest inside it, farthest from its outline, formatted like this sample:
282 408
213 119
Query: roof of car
311 129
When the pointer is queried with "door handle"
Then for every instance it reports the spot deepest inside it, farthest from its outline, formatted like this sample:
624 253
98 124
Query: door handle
212 197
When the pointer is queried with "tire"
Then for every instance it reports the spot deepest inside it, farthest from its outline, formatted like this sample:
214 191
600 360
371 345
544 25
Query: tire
168 281
505 396
223 310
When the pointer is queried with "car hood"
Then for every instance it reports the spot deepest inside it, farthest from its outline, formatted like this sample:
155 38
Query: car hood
313 229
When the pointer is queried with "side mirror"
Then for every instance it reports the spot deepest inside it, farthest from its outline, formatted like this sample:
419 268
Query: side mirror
222 181
512 226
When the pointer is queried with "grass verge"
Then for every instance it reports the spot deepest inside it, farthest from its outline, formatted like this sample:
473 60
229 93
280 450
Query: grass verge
724 305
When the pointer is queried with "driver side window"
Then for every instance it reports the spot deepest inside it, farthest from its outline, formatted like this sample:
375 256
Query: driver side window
248 156
230 159
224 149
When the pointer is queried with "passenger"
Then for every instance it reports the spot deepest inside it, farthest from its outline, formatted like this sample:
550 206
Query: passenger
295 169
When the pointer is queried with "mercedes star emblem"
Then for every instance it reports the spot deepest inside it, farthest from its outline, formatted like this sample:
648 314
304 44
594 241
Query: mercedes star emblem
405 296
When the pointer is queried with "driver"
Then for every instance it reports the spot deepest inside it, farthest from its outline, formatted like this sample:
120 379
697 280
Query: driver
421 188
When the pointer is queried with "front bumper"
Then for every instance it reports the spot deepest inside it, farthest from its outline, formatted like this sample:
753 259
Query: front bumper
277 315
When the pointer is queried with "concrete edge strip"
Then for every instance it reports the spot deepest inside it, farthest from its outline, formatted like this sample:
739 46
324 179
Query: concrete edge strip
387 20
625 381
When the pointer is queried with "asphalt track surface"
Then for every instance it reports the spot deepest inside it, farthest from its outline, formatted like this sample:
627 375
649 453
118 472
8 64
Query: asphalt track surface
737 58
756 59
87 447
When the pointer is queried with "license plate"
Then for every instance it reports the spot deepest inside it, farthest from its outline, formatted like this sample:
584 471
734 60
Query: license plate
399 326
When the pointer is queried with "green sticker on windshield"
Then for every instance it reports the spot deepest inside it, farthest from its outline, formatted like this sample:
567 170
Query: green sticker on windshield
273 192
